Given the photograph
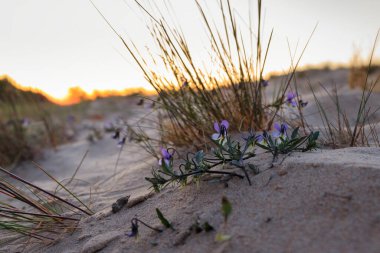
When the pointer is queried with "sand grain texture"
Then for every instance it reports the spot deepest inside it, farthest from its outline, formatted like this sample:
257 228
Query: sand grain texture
327 201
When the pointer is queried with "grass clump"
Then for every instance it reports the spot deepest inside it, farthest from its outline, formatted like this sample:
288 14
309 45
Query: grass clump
29 122
338 131
30 214
14 146
190 95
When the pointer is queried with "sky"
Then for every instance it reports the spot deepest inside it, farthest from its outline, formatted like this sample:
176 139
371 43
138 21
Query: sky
53 45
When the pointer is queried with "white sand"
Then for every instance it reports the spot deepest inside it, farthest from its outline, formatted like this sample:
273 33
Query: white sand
325 201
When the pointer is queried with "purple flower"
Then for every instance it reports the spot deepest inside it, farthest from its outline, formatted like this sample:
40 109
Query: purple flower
252 138
221 130
303 103
134 228
280 130
290 99
116 135
185 84
166 157
263 139
259 138
121 142
264 83
71 119
25 122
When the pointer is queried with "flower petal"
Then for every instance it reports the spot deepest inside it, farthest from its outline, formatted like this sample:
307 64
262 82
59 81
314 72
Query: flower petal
276 134
225 124
121 142
165 153
291 95
277 126
216 127
264 83
215 136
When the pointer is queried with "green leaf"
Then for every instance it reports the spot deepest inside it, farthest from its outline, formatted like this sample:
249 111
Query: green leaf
270 141
295 133
263 146
199 156
167 168
226 208
222 237
254 168
163 220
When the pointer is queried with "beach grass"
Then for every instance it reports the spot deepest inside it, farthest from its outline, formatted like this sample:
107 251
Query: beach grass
29 122
338 132
36 215
190 96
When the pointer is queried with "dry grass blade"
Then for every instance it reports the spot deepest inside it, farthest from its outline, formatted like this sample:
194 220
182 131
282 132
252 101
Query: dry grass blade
28 211
342 132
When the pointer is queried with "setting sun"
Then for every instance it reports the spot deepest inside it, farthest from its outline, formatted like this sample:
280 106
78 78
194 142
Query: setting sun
42 48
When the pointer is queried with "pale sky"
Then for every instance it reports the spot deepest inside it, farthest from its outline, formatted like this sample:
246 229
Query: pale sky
56 44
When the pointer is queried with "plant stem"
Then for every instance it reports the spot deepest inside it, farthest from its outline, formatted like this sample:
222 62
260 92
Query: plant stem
148 226
40 189
210 172
38 214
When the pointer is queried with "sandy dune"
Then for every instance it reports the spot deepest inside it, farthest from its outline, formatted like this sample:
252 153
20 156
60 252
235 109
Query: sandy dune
325 201
322 201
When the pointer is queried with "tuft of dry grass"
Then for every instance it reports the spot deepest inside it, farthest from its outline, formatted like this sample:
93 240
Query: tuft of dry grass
360 73
29 122
30 214
190 96
339 132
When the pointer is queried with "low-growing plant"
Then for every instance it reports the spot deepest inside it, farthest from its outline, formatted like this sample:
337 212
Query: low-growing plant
135 227
163 220
135 224
226 208
197 227
280 142
228 151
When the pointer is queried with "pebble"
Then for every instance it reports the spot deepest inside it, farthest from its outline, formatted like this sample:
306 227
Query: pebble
282 172
100 241
119 204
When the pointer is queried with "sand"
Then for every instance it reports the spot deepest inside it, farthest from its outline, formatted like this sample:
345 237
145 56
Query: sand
321 201
324 201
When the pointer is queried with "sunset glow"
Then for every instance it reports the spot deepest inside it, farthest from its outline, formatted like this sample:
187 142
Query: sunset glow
41 48
77 94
